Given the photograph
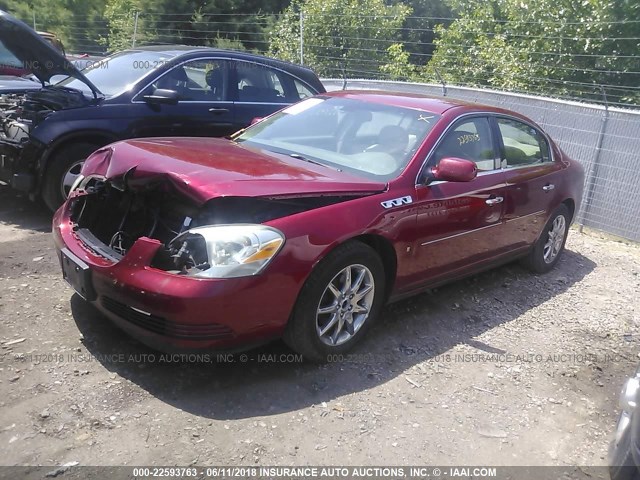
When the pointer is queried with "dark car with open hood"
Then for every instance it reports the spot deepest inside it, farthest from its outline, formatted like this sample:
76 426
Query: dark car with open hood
46 134
306 223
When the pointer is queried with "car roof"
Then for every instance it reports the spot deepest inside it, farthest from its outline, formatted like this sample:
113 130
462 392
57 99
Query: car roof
433 104
177 50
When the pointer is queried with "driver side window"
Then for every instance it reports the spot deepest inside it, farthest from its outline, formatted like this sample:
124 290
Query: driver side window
470 140
197 80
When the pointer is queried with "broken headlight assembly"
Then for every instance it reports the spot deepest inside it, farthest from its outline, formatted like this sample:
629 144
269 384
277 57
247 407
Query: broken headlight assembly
225 251
76 183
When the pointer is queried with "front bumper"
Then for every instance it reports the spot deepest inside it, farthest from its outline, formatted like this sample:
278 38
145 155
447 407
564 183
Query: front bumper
15 167
174 313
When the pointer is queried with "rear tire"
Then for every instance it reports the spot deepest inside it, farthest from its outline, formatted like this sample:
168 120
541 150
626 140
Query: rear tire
548 248
63 168
338 303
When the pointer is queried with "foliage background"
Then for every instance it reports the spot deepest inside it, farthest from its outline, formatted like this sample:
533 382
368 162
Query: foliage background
568 48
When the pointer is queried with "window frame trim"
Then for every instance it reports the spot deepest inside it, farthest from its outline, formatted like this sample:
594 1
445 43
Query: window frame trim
497 138
544 136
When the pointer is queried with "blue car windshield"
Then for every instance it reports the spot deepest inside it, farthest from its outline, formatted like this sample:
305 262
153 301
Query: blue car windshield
119 72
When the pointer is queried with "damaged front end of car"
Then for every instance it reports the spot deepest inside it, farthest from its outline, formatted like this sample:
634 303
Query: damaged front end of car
20 114
223 238
191 252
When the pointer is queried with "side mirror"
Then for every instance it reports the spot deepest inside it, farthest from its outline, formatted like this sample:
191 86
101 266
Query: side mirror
162 96
256 120
452 169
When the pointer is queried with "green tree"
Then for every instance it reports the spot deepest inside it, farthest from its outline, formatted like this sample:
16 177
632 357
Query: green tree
398 66
560 47
340 37
224 23
121 18
418 34
78 23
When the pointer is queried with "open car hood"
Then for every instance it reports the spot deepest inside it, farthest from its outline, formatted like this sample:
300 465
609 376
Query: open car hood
206 168
35 54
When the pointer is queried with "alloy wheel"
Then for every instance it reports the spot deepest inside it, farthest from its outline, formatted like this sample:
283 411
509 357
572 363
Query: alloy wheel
345 305
555 239
70 176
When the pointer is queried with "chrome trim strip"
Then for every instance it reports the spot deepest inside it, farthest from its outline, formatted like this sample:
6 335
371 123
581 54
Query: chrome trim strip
261 103
461 233
539 212
212 102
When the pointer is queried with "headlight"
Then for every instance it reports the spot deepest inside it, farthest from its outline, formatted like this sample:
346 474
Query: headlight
227 251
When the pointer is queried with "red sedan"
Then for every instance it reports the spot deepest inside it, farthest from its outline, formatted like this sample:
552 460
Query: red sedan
304 225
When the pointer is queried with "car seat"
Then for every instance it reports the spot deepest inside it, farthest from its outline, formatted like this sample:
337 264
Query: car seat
393 140
215 81
176 80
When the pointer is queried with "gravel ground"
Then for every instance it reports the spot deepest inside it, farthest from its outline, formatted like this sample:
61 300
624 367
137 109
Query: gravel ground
504 368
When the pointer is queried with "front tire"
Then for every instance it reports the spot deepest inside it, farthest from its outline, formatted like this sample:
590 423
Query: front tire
622 465
64 168
338 303
547 250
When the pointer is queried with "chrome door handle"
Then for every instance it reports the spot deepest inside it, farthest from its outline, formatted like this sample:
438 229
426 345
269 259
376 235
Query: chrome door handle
493 201
219 110
548 188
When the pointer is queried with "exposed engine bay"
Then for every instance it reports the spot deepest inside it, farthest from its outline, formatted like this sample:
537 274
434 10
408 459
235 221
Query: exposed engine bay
20 112
110 217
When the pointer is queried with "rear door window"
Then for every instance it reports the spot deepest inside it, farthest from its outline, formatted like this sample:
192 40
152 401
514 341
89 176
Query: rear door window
523 145
260 84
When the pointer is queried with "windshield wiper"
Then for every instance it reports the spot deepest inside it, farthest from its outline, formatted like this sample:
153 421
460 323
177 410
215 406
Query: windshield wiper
315 162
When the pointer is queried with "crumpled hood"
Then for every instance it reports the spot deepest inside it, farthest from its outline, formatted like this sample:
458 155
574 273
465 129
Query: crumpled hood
205 168
35 54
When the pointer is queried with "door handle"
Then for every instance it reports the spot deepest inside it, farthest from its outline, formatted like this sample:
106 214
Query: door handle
548 188
494 201
218 111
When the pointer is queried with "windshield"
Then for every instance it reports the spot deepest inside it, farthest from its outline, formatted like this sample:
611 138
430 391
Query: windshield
8 59
117 73
363 138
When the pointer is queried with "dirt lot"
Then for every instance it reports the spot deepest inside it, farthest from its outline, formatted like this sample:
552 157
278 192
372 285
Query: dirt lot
505 368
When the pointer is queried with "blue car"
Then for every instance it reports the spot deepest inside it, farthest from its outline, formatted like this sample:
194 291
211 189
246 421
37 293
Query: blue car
46 134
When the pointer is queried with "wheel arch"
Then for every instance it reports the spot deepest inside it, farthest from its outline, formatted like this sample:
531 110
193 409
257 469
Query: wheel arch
384 248
97 137
571 205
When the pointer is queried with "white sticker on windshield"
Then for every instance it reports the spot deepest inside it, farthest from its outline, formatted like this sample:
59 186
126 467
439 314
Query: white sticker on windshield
303 105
